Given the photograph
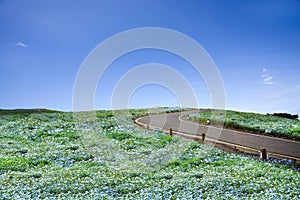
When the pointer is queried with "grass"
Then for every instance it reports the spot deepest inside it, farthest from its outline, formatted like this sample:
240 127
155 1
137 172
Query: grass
252 122
42 155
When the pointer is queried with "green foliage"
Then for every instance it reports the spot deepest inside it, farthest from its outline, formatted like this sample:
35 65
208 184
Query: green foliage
101 114
25 111
134 142
119 135
14 164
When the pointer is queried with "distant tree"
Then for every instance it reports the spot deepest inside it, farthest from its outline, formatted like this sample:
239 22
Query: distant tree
285 115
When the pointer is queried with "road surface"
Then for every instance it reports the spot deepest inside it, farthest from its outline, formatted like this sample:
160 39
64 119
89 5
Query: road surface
179 123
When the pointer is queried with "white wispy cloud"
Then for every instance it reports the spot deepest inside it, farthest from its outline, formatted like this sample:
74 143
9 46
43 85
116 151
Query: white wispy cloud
267 78
21 44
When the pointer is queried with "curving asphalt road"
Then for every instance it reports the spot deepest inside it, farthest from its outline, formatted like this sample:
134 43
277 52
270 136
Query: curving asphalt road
179 123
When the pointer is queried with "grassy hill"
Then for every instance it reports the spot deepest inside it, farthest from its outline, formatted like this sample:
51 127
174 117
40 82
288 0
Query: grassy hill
53 155
25 111
251 122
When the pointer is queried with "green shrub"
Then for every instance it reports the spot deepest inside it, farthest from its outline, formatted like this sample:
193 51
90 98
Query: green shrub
15 164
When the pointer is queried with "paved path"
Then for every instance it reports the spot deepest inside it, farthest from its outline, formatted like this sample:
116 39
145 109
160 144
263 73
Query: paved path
178 122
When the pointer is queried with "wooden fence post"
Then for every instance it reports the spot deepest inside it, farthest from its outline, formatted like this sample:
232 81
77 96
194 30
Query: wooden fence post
263 154
171 132
203 137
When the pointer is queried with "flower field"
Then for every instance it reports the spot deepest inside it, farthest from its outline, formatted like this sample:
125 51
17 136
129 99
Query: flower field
44 156
252 122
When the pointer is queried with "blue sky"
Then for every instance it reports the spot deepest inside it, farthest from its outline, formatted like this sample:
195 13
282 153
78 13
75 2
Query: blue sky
254 43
